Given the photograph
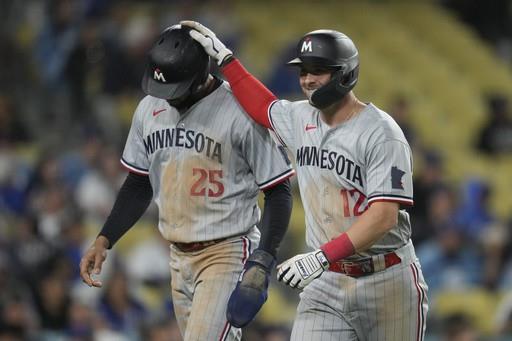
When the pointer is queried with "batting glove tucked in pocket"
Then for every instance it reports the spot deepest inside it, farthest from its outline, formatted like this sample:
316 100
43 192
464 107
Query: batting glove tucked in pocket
251 290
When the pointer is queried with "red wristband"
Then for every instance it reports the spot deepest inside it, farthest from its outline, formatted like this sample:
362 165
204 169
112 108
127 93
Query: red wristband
338 248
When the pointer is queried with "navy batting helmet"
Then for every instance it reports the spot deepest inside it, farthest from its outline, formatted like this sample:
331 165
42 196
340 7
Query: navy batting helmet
177 65
331 50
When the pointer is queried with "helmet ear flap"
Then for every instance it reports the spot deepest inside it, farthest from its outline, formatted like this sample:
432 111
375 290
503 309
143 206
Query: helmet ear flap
332 92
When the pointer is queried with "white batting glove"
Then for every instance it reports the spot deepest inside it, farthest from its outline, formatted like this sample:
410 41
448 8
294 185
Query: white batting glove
212 45
300 270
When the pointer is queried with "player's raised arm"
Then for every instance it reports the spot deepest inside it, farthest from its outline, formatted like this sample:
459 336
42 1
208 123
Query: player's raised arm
254 97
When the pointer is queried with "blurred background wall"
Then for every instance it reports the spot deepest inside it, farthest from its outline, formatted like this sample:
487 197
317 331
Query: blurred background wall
70 74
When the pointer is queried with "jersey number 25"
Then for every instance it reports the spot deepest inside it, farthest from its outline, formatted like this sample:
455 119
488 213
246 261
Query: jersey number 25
208 178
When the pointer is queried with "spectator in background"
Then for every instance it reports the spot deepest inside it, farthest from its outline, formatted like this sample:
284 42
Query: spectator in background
400 111
459 327
496 135
57 63
14 81
473 214
30 255
282 77
97 189
14 178
53 303
120 309
82 321
162 329
48 197
447 260
17 319
429 180
12 130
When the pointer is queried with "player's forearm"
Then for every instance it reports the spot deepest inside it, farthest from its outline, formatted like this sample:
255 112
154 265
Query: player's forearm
368 229
254 97
373 225
276 216
132 201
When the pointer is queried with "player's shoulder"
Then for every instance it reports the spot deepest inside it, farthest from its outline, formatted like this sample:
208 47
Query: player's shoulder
380 125
147 104
292 111
296 107
224 93
240 119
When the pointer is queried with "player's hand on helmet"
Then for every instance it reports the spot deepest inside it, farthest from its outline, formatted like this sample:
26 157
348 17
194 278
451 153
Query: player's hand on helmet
251 290
299 271
92 261
212 45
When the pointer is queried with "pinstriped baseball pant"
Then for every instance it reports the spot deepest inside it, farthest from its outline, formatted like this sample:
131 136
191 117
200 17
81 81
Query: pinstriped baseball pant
201 283
389 305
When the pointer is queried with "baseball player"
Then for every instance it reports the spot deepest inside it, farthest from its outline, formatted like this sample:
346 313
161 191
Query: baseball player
363 280
204 170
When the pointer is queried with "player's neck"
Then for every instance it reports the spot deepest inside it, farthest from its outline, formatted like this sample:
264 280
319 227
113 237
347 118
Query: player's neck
343 110
204 90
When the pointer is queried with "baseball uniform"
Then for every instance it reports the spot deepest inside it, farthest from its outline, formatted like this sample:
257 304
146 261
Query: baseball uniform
206 168
341 170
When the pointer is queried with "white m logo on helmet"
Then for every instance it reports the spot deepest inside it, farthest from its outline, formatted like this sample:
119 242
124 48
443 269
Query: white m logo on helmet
158 75
307 46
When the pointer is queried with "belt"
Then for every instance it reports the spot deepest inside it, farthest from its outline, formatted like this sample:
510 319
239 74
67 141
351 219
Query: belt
366 266
197 246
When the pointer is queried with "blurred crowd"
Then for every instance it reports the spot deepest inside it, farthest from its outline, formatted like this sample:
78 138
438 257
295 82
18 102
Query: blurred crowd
70 76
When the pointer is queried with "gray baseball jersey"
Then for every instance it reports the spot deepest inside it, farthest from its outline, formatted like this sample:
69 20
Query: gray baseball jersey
206 166
342 170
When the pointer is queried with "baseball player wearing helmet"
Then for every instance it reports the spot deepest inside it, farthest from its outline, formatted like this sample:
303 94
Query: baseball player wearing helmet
362 281
204 170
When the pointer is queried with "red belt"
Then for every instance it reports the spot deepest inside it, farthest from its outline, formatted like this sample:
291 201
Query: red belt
363 267
197 246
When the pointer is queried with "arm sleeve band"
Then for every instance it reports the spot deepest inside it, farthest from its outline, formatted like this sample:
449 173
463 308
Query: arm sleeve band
252 95
338 248
132 201
276 216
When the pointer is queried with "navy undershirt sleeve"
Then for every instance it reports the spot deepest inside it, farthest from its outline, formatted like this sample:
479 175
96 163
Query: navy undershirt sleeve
132 201
276 216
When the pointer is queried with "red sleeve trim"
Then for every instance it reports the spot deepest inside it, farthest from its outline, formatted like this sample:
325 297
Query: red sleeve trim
400 201
252 95
278 180
133 169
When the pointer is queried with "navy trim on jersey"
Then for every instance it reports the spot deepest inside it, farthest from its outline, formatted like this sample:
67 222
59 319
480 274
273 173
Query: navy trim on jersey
133 168
272 123
276 179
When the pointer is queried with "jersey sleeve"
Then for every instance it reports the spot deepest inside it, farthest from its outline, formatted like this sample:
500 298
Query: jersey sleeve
135 158
267 160
282 122
389 173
